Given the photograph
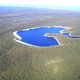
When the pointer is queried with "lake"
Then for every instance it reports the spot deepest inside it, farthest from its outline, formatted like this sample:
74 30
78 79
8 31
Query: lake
37 36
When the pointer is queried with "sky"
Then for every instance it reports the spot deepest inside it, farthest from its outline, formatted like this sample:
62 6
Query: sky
42 3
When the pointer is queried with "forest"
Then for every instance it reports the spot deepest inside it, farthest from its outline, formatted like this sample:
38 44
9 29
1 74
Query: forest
22 62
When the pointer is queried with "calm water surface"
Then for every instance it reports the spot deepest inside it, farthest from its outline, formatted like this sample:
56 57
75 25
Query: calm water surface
36 36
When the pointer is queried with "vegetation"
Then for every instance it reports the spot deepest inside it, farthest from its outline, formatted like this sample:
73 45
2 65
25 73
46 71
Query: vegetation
21 62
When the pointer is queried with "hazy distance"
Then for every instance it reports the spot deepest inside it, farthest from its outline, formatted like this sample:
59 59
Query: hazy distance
52 4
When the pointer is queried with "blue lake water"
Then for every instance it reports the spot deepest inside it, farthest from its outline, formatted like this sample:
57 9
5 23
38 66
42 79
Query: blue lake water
36 36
